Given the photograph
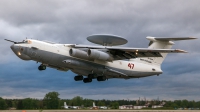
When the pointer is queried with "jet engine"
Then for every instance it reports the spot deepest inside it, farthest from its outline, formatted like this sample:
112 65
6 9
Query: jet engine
78 53
99 55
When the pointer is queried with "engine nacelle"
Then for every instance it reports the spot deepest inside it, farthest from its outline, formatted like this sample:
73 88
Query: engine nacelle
99 55
78 53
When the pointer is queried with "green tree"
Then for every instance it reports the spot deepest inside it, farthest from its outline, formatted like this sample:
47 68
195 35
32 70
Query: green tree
29 103
19 104
87 102
35 104
40 104
197 104
51 100
9 103
76 101
184 104
178 103
114 105
100 103
2 104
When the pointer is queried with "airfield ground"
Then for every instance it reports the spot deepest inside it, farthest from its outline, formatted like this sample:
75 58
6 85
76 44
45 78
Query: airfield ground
100 111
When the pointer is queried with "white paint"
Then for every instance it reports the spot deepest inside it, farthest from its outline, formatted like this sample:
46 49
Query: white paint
58 56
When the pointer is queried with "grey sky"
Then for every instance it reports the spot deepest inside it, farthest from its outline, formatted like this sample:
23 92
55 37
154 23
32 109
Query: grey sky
71 21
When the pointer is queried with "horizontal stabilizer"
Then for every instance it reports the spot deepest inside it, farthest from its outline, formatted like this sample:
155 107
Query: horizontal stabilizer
170 38
175 39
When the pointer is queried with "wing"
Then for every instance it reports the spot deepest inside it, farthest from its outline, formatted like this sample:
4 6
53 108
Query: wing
119 53
141 52
110 53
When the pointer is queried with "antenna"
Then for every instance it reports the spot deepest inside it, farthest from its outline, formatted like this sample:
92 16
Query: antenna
107 40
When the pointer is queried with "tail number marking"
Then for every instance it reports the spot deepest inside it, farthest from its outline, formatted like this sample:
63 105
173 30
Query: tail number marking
131 65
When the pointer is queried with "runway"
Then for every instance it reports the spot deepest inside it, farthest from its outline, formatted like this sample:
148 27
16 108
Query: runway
99 110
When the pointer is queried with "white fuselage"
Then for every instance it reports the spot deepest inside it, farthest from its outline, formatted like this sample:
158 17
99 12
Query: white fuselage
57 56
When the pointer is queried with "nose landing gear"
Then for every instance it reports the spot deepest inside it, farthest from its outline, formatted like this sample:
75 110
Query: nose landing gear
42 67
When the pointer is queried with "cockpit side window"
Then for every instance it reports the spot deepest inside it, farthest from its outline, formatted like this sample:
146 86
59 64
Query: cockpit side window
26 41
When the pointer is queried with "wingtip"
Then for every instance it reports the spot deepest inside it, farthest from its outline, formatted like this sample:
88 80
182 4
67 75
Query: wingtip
185 52
193 38
181 51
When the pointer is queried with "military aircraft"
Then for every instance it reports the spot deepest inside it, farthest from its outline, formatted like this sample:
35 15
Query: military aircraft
98 107
99 62
70 107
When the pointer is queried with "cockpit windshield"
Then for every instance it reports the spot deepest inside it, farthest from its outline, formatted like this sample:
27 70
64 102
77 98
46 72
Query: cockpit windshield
25 42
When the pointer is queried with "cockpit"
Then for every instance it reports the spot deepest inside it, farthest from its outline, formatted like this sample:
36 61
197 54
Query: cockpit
21 49
24 42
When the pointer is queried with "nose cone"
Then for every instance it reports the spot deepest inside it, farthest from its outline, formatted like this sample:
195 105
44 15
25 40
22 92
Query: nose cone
19 52
12 47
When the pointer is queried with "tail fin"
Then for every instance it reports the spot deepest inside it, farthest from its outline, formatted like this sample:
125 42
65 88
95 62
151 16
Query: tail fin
94 104
163 43
65 104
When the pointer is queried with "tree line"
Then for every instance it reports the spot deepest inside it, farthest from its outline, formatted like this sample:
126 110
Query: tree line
52 101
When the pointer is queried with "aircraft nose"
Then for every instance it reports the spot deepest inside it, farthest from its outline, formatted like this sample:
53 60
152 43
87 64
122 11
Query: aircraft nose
12 47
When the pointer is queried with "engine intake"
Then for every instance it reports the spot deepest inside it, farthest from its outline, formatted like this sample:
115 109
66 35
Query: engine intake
78 53
99 55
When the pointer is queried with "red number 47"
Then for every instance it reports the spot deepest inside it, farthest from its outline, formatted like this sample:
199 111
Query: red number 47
131 65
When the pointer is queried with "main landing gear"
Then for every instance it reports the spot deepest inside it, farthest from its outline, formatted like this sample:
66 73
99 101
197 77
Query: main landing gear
101 78
42 67
89 78
78 78
92 76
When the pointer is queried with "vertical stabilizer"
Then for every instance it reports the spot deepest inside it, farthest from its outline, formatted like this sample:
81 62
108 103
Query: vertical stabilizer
155 44
65 104
94 104
163 43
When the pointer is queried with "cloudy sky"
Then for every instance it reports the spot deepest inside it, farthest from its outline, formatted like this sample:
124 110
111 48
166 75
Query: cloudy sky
71 21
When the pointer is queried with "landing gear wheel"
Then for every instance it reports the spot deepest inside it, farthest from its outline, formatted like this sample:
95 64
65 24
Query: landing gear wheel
78 78
87 80
42 67
101 78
